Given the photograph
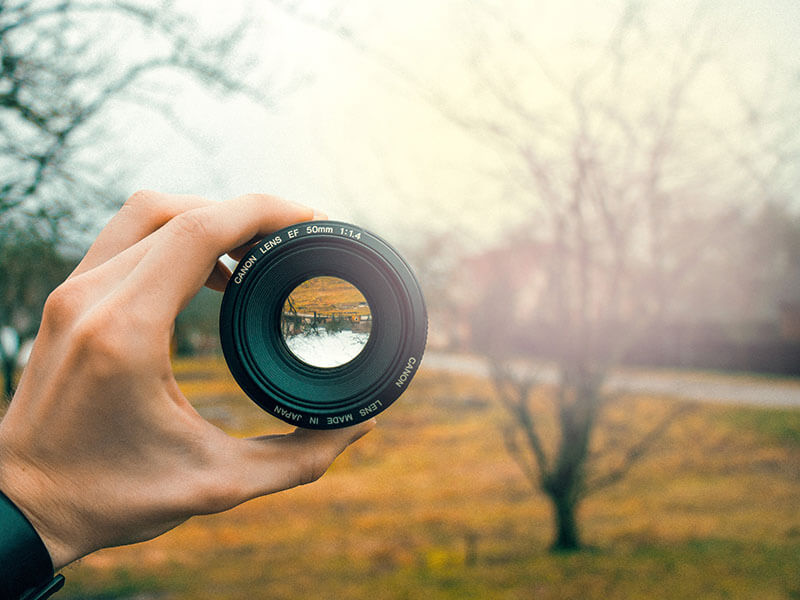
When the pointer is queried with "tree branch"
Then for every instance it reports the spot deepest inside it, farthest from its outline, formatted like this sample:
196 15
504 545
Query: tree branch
638 450
514 394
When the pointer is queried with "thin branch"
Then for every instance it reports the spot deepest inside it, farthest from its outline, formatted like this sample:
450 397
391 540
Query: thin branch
640 449
514 394
528 469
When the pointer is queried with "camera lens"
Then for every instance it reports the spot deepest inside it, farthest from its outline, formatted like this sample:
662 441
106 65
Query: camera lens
326 322
323 324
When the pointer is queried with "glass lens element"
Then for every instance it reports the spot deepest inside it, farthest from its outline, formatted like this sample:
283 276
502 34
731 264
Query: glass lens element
326 322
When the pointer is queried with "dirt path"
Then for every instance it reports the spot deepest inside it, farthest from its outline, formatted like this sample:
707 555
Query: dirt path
751 390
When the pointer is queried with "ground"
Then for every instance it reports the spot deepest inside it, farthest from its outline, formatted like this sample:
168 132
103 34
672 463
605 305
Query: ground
328 295
429 505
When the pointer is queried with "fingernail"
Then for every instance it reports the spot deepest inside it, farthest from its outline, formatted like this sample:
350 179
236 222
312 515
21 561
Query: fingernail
319 216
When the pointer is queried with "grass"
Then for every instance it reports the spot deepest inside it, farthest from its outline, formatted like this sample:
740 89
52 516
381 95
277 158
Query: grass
430 506
328 295
776 427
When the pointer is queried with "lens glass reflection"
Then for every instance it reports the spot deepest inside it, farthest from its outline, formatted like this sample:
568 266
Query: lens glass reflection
326 322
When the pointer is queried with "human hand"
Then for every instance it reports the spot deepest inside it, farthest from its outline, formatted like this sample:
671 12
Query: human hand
99 446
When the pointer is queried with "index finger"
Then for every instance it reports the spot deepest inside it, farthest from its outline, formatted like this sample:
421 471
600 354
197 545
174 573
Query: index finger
186 248
142 214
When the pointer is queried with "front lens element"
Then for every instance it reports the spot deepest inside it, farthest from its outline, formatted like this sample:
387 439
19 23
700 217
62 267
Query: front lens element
326 322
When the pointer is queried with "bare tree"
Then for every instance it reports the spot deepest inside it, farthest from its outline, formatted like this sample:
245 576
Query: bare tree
65 67
629 221
63 63
632 182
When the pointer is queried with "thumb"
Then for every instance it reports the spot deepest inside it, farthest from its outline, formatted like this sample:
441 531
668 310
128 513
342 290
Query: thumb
270 464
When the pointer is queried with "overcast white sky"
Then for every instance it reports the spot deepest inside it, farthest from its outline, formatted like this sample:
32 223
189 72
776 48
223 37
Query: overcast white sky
357 141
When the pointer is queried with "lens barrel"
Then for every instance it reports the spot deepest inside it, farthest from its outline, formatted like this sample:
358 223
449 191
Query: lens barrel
277 380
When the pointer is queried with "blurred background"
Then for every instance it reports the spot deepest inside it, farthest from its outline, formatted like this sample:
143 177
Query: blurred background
600 200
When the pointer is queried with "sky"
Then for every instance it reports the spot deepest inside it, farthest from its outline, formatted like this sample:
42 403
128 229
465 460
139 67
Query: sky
355 136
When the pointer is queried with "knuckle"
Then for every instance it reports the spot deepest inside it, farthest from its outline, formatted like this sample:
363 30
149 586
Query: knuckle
216 495
63 305
192 224
93 335
315 464
215 481
142 200
146 206
100 339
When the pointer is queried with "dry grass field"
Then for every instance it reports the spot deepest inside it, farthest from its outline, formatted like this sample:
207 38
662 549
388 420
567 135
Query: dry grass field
430 506
328 295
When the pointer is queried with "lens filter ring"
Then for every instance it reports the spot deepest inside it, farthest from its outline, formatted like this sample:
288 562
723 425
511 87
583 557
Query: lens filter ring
296 390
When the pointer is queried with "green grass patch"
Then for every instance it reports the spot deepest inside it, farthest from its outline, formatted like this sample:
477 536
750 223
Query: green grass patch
777 426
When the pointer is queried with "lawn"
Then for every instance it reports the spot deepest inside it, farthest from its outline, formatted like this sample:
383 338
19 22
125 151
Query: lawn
429 505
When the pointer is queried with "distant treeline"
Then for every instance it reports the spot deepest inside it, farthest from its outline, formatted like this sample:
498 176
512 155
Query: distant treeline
714 347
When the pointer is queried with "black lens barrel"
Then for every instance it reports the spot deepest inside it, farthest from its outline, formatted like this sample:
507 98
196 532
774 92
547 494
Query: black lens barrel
272 376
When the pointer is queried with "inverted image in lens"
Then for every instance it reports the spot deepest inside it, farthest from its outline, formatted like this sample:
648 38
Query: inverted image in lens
326 322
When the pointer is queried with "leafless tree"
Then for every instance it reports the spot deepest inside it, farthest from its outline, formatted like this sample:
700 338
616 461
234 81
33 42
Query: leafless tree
63 63
630 221
65 67
632 183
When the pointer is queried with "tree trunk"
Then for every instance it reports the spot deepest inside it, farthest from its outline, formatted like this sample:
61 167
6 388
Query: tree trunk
565 483
566 538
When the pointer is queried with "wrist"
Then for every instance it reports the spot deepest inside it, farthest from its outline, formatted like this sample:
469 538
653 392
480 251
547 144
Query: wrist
26 570
26 488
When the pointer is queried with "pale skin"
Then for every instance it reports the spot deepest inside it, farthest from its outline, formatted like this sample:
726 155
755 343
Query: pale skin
99 446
